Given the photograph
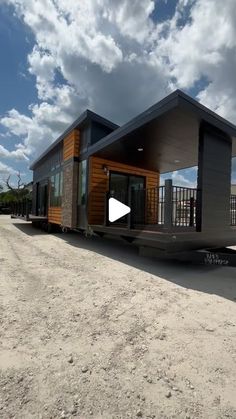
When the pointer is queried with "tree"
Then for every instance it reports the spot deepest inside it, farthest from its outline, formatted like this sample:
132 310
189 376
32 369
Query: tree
14 193
20 184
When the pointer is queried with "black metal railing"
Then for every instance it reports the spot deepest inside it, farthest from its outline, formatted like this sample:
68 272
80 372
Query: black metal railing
147 206
5 207
184 206
164 206
233 210
22 208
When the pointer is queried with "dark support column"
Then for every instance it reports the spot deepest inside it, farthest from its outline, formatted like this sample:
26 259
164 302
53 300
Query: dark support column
107 196
191 215
34 199
168 207
214 180
27 209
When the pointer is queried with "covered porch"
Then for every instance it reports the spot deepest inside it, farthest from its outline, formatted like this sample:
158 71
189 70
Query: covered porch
175 134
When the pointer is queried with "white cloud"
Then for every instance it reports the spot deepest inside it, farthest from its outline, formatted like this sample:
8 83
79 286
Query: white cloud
204 48
47 121
112 57
186 178
42 65
6 170
181 180
131 18
70 26
101 62
17 154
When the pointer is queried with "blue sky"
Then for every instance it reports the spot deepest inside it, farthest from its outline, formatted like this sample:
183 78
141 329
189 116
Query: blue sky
16 41
59 58
17 86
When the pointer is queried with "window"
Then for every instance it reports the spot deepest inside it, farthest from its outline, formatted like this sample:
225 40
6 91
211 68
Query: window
82 182
56 185
84 139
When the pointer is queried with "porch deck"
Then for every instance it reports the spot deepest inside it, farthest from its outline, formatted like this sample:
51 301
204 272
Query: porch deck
23 210
167 218
30 217
176 240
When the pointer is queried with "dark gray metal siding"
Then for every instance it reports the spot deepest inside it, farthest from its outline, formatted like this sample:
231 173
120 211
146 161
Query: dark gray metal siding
98 131
91 133
50 163
214 179
85 135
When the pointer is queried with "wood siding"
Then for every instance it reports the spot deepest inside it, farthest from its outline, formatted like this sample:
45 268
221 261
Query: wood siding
54 215
99 184
70 150
71 145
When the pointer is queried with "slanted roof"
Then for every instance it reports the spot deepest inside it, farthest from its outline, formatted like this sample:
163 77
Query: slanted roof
168 132
86 116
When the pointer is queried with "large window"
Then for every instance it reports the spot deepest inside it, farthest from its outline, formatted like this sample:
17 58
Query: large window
56 186
82 182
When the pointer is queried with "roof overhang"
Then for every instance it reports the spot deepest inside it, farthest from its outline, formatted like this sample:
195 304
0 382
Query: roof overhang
83 119
168 133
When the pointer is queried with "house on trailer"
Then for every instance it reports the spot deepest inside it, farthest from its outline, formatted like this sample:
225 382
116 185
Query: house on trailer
95 159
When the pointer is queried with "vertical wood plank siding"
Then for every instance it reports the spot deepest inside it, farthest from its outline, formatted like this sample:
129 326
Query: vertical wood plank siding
71 145
99 185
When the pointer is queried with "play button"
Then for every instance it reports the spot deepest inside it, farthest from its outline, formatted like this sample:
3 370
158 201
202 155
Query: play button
117 210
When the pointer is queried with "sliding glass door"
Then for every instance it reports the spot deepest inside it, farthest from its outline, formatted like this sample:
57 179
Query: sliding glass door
119 188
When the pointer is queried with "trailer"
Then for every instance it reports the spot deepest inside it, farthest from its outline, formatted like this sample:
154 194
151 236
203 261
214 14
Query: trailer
94 160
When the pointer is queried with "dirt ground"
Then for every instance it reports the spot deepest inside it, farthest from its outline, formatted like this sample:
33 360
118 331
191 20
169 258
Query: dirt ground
90 329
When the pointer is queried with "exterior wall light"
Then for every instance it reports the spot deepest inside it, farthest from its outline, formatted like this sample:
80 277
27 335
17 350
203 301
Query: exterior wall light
140 148
105 169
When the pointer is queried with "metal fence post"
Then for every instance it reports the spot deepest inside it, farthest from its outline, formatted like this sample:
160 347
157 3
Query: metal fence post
191 215
168 206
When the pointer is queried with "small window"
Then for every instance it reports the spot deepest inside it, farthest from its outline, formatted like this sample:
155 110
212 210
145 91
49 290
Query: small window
56 186
82 182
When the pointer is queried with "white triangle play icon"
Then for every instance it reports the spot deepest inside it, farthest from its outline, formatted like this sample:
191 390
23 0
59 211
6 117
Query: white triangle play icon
117 210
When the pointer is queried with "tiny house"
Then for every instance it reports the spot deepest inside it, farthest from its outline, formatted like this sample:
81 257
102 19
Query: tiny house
94 159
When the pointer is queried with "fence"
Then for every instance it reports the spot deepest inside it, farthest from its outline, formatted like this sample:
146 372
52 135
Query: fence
147 206
22 208
184 206
5 207
168 206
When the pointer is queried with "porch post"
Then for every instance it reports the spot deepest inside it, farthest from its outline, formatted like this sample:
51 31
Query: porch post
27 210
106 208
214 180
168 205
130 202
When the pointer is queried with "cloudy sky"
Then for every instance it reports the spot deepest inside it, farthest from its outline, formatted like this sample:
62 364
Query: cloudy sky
116 57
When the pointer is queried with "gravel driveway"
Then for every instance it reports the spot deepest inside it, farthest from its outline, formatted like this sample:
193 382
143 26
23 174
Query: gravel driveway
90 329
